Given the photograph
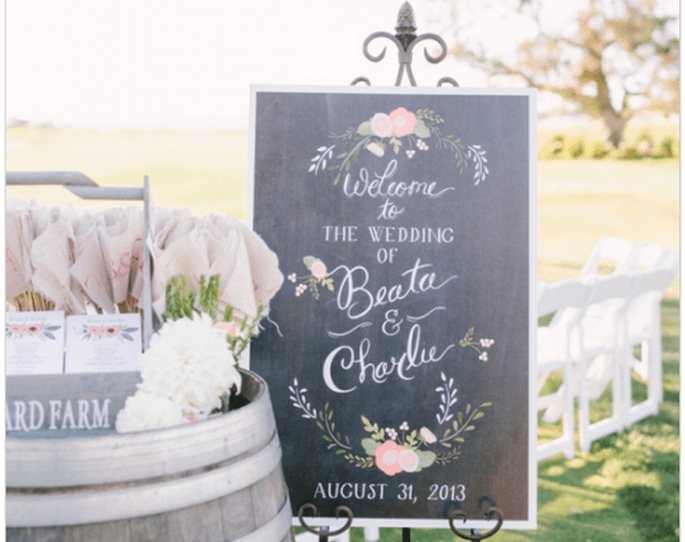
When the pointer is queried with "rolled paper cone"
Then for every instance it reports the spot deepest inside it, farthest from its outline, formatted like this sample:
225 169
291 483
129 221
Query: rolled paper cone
18 269
186 255
90 272
237 285
118 254
50 261
263 262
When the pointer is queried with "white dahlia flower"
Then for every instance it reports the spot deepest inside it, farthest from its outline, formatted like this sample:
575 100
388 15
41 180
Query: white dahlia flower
189 362
144 411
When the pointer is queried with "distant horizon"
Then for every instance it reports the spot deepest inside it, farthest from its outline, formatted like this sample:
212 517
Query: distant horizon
546 120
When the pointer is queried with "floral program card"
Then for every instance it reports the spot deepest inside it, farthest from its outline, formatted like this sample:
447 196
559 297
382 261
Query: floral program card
105 343
399 358
35 342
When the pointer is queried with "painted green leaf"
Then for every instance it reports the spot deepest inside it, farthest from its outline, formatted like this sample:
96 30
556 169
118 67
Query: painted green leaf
309 261
426 459
421 130
370 446
365 128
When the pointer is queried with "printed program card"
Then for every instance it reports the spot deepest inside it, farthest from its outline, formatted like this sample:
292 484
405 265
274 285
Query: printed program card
34 342
103 343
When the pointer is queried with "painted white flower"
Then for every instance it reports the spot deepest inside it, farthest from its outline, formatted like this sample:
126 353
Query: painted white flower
404 426
382 125
189 362
144 411
408 460
483 356
391 433
428 435
292 277
376 149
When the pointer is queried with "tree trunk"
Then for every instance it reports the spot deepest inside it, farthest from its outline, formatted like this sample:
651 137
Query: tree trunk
616 124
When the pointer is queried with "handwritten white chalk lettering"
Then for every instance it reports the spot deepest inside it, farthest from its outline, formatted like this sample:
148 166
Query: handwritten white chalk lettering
357 300
401 234
340 233
377 187
389 211
350 490
345 358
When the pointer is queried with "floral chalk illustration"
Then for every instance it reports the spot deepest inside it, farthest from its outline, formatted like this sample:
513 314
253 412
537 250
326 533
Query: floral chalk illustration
399 130
481 346
402 449
37 329
318 277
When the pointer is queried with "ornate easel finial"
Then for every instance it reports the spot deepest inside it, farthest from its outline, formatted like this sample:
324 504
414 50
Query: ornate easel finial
406 39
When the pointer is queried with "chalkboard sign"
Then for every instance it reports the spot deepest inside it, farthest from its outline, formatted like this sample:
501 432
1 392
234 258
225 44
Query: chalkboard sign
398 351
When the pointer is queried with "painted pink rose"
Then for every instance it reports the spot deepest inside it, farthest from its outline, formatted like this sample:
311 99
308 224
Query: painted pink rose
33 329
382 125
403 121
94 330
16 328
228 328
408 460
318 269
387 455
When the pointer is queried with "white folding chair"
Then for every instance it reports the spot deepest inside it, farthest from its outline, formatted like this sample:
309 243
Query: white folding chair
643 328
603 344
555 352
610 252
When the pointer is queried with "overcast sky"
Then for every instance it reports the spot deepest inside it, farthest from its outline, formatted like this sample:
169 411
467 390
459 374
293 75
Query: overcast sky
189 64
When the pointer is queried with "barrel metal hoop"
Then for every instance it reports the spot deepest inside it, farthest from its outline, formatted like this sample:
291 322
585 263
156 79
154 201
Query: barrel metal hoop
76 508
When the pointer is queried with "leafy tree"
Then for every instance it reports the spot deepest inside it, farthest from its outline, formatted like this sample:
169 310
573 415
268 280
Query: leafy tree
611 58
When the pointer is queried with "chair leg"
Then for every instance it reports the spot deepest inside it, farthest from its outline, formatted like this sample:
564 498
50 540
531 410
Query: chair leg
568 419
583 407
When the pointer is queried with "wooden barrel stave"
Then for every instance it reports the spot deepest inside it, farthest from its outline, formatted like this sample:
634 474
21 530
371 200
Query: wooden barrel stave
241 497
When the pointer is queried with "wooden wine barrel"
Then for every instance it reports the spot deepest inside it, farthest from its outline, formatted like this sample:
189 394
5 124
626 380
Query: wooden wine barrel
216 480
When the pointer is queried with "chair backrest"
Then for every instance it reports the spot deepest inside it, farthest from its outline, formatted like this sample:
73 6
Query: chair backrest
616 286
612 251
650 256
569 293
656 281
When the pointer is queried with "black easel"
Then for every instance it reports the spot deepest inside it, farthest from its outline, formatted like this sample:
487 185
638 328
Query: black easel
405 39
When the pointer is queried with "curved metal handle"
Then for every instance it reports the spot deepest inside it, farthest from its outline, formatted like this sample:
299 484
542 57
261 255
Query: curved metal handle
348 523
490 511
